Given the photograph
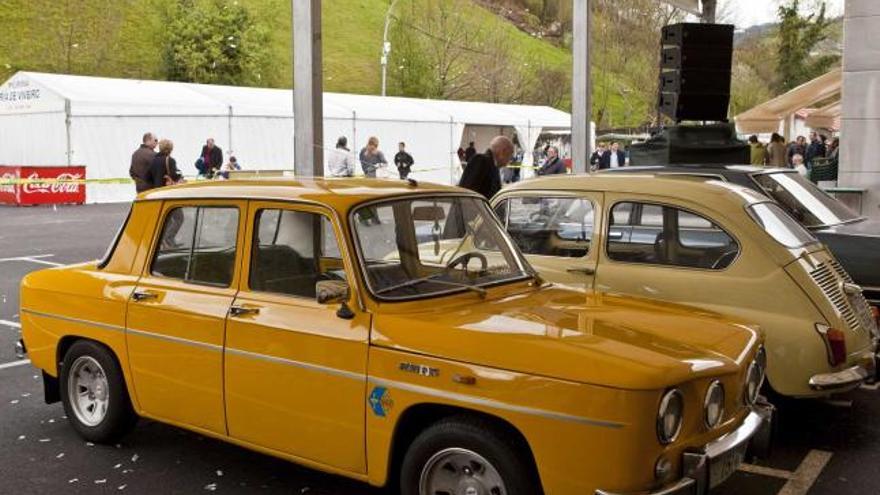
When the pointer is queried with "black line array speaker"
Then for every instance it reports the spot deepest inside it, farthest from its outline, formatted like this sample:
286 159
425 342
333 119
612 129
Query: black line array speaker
696 61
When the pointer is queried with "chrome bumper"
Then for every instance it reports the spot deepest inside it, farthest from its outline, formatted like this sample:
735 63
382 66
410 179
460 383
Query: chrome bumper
20 350
697 464
840 380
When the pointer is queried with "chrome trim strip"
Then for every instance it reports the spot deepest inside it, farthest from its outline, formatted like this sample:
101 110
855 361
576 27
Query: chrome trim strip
683 486
494 404
847 378
298 364
177 340
105 326
733 439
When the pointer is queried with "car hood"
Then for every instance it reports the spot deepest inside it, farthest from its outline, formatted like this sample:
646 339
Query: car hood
594 338
857 246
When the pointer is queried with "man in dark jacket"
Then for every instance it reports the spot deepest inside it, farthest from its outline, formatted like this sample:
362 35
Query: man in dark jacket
469 152
596 157
613 158
816 149
553 164
212 156
141 160
403 161
482 171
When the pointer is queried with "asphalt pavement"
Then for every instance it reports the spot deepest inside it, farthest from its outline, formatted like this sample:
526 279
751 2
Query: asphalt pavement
828 447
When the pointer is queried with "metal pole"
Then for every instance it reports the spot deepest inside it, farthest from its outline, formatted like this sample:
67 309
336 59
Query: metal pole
708 14
386 45
308 104
581 105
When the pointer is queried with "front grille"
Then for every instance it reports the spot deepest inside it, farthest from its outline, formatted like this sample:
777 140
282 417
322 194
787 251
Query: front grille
854 308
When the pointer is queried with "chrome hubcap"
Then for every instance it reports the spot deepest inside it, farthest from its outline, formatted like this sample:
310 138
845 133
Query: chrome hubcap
88 391
458 471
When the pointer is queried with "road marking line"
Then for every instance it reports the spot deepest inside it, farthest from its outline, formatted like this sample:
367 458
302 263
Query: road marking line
766 471
14 364
42 262
807 473
13 324
27 258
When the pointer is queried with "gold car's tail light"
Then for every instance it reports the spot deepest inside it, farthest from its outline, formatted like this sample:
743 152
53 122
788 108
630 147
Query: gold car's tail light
835 342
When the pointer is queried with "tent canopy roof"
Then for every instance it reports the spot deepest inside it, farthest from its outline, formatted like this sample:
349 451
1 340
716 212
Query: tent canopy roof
767 116
118 97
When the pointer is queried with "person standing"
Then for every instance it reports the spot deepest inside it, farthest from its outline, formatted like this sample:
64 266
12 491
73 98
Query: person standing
816 149
613 157
553 164
758 152
212 157
797 163
371 158
163 171
776 151
469 152
403 161
596 157
340 161
798 147
482 173
141 160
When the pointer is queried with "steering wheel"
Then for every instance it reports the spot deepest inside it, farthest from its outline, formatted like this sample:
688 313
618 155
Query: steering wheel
466 258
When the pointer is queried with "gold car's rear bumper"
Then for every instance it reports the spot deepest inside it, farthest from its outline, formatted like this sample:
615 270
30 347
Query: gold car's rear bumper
710 465
841 380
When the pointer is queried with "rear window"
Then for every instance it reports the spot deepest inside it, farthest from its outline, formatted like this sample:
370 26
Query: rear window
780 226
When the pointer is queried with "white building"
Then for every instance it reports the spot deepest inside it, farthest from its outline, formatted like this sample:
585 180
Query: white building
53 119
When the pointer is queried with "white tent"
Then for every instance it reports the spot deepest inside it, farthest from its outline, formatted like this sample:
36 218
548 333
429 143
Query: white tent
54 119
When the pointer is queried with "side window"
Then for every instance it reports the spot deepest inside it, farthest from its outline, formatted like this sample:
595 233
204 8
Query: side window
551 226
198 244
292 251
681 238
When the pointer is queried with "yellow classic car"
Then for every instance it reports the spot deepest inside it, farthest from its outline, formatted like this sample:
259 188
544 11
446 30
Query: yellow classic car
706 243
321 322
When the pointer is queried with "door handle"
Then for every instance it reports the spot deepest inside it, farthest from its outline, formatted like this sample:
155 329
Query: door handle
585 270
143 295
242 310
615 234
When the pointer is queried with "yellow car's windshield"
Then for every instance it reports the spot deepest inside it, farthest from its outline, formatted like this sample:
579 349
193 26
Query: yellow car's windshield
427 246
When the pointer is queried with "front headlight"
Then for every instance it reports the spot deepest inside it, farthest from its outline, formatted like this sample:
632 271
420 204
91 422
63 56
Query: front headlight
755 377
713 404
669 416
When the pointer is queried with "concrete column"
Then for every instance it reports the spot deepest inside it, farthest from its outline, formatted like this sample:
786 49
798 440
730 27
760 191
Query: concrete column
308 104
581 104
861 103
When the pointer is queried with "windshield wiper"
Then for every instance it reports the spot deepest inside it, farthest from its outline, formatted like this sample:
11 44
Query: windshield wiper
409 283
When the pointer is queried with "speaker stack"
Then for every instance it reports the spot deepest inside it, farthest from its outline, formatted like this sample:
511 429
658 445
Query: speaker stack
696 62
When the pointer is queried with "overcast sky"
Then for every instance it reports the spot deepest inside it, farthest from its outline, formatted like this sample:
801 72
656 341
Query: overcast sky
750 12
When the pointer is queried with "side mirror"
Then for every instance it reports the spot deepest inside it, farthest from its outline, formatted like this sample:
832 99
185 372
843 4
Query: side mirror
331 291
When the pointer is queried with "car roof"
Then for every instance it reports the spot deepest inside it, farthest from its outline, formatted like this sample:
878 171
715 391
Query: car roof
698 168
694 188
340 193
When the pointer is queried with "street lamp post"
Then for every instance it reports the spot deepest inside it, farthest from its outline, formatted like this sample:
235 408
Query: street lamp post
386 46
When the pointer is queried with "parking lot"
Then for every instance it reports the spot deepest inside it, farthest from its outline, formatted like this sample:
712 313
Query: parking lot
829 447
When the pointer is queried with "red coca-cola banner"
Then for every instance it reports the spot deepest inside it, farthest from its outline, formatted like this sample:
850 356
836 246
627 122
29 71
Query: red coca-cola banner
21 185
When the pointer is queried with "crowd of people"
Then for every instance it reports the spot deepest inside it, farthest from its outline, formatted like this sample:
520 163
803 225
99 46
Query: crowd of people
341 161
798 154
151 169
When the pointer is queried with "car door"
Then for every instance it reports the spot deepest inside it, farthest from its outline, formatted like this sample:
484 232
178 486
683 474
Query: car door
296 369
558 231
678 252
176 316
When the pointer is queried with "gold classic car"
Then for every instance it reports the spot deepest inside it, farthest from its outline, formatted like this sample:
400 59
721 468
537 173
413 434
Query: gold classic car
321 322
706 243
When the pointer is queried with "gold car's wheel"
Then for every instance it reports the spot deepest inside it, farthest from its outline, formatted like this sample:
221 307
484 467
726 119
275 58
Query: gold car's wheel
94 394
457 470
89 391
468 455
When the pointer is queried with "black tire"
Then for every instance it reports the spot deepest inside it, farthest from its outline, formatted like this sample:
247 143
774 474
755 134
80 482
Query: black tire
506 455
120 417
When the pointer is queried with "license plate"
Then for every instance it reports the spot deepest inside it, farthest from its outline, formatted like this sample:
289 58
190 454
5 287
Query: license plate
726 464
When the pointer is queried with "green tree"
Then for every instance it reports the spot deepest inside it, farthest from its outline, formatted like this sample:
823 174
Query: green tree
799 36
214 42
